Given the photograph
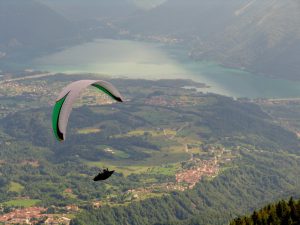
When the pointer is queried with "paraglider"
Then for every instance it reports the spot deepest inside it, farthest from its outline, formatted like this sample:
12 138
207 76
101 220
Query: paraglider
103 175
63 108
67 97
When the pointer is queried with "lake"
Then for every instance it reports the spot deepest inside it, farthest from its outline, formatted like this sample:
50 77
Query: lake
134 59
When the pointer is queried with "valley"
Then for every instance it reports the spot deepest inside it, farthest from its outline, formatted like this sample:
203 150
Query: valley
208 130
164 139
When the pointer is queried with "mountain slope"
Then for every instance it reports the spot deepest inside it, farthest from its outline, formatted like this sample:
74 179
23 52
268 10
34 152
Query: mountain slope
92 9
262 36
265 38
28 26
184 18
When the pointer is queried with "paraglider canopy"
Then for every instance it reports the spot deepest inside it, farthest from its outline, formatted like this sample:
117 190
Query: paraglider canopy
67 97
103 175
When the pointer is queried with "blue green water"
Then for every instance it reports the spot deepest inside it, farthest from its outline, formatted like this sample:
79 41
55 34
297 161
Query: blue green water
133 59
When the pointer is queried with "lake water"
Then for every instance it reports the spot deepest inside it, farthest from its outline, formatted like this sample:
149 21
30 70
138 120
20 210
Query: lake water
133 59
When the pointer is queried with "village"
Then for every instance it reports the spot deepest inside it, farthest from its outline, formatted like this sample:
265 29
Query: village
209 168
186 178
172 102
16 88
37 215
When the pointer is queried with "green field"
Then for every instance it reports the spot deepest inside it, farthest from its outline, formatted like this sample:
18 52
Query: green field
168 170
22 202
15 187
154 133
88 130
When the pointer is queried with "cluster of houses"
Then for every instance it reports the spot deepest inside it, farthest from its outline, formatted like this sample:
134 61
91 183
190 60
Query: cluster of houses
23 216
193 176
172 102
161 101
36 215
15 89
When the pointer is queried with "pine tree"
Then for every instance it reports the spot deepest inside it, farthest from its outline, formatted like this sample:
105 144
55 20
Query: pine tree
282 213
255 217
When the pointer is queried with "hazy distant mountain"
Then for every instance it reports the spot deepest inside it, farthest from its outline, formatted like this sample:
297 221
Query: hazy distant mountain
92 9
184 18
28 26
263 36
99 9
147 4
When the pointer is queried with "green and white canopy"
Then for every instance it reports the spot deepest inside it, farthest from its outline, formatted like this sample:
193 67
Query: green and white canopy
67 97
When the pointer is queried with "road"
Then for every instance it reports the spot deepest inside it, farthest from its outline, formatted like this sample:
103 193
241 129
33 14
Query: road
28 77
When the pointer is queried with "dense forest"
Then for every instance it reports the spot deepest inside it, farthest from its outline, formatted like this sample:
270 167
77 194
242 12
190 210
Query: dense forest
281 213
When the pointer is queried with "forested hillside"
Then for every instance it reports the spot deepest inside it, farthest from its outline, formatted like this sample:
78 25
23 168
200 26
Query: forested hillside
180 156
283 212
